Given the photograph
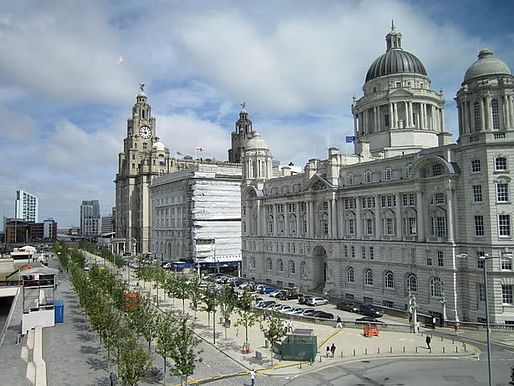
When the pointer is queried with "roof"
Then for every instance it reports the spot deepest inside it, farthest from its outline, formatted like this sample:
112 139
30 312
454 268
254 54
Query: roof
395 61
486 64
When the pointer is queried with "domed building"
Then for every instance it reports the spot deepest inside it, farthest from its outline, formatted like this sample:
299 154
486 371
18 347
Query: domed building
411 219
399 113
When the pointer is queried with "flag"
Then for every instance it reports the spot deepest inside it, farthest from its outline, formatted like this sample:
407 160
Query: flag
198 148
179 153
350 138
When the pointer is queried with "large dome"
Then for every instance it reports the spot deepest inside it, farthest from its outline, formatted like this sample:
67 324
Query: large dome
395 61
256 142
487 64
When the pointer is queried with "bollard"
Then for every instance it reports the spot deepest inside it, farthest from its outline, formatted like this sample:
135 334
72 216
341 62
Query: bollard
403 348
430 351
366 351
444 349
390 349
341 353
378 350
300 365
465 347
456 349
320 358
442 339
453 341
353 352
416 349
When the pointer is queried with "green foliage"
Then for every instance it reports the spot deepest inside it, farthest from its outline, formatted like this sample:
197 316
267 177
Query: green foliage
247 317
133 362
144 321
184 351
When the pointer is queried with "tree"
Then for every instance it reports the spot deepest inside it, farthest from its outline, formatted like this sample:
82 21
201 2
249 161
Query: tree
247 318
209 301
274 331
133 362
184 352
194 292
227 302
143 320
166 327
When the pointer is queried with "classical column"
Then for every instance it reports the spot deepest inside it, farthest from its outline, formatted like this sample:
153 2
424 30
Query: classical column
489 112
406 121
376 126
333 218
310 224
420 225
355 127
510 111
358 219
441 120
398 214
482 114
378 225
391 115
465 120
274 211
395 109
450 225
258 225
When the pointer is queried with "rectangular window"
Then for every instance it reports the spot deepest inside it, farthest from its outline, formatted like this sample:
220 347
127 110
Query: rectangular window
477 193
429 261
507 293
371 253
437 170
506 262
440 226
346 251
481 292
479 225
369 226
502 192
411 225
386 120
353 251
440 258
389 227
480 260
351 226
476 167
504 224
501 164
363 252
439 198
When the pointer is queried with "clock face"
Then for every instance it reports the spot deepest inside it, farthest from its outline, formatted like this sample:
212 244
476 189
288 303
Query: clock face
145 132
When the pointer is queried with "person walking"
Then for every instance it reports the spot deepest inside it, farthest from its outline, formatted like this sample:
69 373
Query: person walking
252 377
428 340
333 349
290 326
327 351
456 328
339 322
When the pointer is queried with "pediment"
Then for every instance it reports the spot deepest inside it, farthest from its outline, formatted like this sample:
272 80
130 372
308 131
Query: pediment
401 93
317 183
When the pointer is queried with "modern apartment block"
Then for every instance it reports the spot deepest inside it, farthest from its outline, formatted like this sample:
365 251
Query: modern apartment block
90 218
26 206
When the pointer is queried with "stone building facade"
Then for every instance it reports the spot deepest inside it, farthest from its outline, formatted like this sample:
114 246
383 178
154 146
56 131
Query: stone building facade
410 214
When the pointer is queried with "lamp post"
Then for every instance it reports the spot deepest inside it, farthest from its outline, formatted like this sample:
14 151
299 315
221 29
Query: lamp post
443 302
413 307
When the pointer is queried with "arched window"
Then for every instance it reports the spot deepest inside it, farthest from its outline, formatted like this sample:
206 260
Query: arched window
496 116
350 275
280 265
389 280
269 264
436 287
476 116
388 174
367 176
412 283
350 179
269 224
292 266
408 170
291 224
368 277
252 262
280 224
302 268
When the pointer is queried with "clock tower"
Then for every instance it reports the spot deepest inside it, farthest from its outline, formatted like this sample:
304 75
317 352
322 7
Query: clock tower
143 157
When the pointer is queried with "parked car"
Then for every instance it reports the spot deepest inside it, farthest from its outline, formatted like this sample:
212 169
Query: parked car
274 294
286 309
265 304
287 294
347 305
369 320
323 315
369 310
303 299
308 312
295 311
315 301
266 290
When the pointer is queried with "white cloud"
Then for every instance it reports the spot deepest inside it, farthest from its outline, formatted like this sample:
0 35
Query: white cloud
16 126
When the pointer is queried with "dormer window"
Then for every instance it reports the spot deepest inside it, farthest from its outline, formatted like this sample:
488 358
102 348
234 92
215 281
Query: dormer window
388 174
367 176
437 170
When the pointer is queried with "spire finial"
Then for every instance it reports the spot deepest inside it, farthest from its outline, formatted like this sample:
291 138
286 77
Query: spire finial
392 24
142 86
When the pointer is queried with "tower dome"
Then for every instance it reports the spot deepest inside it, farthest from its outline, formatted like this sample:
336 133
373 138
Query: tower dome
256 142
395 60
486 64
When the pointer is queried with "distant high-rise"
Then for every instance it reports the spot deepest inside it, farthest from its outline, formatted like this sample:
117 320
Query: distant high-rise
90 218
26 206
107 224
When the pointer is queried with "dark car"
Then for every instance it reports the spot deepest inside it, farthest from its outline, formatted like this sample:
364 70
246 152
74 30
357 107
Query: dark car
369 310
309 312
287 294
323 315
369 320
347 305
302 299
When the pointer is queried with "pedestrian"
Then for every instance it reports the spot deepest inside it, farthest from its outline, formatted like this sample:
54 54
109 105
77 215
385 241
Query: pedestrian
252 377
339 322
417 327
433 322
327 352
428 339
333 349
289 326
113 378
456 328
284 326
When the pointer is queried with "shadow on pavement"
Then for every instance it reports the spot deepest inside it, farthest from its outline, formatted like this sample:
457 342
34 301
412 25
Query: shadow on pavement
85 337
97 364
89 350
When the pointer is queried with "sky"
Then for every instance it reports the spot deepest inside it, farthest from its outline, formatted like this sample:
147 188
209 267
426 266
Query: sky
70 71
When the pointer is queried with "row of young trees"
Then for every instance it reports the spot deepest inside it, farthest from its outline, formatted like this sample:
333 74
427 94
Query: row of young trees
210 299
122 329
